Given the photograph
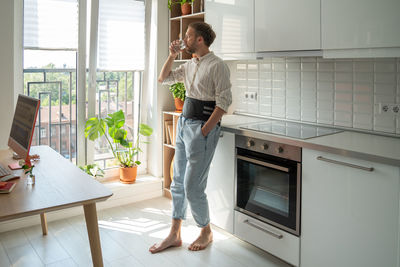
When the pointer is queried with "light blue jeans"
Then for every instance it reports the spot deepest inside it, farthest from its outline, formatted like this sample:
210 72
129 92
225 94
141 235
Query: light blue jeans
193 155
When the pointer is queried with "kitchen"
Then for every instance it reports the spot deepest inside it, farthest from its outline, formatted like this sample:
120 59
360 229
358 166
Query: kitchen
307 165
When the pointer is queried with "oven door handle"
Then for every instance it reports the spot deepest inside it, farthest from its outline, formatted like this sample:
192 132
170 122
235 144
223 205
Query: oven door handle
262 163
279 236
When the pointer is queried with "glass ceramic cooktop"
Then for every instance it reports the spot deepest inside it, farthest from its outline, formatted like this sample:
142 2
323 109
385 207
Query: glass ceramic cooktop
290 129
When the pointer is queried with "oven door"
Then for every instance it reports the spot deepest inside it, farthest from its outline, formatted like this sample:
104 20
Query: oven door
268 188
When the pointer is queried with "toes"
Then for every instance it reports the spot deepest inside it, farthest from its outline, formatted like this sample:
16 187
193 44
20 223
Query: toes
154 248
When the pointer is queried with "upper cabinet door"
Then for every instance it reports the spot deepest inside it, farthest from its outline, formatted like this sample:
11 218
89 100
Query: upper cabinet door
283 25
360 24
233 22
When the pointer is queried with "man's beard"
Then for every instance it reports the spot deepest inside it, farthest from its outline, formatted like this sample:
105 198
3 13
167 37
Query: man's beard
190 50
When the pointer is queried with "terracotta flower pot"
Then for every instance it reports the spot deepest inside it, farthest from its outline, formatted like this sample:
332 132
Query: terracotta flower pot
186 9
128 175
178 105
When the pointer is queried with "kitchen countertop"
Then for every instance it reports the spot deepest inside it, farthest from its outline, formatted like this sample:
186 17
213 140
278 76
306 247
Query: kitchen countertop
364 146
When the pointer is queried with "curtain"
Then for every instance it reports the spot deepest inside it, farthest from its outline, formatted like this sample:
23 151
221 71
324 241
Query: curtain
121 35
51 24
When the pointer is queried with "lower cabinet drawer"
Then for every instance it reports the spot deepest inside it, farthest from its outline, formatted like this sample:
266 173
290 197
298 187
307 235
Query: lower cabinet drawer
271 239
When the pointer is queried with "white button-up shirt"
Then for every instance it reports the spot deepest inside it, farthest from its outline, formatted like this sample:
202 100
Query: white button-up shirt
206 78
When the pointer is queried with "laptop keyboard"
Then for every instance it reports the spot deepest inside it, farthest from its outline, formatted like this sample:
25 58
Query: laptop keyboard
4 171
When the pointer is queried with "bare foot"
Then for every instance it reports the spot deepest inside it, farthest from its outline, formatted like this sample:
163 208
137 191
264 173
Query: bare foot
170 241
205 238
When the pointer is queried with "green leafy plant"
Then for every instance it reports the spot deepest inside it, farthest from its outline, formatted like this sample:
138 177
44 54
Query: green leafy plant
170 2
123 150
28 169
93 170
178 90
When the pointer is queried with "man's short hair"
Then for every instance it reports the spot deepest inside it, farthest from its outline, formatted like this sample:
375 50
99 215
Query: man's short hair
204 30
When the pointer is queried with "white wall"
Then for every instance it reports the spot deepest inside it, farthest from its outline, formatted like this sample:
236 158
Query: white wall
11 83
156 98
6 69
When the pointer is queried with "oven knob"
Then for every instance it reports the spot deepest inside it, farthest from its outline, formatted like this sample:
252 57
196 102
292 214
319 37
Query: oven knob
250 143
279 150
265 146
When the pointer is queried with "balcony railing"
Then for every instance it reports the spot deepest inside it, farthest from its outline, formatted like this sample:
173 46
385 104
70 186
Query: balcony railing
56 124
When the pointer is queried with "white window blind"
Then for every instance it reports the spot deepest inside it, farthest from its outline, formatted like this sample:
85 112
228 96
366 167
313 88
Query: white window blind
121 35
51 24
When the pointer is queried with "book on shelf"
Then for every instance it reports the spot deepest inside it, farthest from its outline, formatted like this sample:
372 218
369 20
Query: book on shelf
171 133
168 135
6 187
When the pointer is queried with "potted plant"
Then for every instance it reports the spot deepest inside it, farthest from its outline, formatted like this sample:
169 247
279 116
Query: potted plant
186 5
28 168
93 170
178 91
123 150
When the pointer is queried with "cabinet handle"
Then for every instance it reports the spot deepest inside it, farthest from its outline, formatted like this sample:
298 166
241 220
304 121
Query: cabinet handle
279 236
368 169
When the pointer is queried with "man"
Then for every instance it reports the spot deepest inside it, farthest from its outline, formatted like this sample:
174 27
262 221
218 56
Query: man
208 96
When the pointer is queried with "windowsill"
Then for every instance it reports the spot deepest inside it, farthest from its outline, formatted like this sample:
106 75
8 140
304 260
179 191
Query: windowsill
114 183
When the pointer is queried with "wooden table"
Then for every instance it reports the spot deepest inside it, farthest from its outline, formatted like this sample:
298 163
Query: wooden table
59 185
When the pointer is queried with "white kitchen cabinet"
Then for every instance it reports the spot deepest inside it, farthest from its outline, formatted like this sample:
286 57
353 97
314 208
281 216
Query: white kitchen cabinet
220 183
233 23
350 217
287 25
267 237
360 24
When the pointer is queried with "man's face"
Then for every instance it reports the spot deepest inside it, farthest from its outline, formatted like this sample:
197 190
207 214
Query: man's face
191 40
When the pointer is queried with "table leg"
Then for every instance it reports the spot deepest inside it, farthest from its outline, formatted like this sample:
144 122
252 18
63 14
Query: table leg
93 233
43 220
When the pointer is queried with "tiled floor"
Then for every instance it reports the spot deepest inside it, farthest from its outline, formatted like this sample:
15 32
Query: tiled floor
126 234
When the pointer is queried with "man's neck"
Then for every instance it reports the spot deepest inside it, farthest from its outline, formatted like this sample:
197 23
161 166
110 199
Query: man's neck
202 52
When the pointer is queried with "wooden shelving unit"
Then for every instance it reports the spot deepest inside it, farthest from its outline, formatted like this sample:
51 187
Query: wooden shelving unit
169 118
178 24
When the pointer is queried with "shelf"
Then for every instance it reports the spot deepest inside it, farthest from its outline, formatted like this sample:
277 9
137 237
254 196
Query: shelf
170 146
199 15
181 60
174 113
178 24
169 118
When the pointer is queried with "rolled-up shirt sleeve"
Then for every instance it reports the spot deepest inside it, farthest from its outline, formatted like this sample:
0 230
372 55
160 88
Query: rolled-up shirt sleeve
223 93
176 75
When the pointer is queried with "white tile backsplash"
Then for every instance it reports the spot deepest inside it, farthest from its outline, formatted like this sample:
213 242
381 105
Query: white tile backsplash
342 92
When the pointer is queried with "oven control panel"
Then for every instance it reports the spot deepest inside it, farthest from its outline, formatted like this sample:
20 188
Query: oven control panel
269 147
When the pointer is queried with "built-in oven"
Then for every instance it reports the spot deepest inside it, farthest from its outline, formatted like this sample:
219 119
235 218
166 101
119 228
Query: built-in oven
268 182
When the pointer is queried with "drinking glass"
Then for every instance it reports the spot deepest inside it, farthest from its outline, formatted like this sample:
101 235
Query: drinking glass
180 46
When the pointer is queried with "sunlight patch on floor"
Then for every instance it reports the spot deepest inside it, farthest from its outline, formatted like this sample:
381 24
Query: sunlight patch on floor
153 210
136 226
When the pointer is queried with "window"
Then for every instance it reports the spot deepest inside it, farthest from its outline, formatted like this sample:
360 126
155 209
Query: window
43 132
121 57
50 66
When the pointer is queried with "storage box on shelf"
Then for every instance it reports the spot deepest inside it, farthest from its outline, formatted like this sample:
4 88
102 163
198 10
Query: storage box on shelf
178 23
170 121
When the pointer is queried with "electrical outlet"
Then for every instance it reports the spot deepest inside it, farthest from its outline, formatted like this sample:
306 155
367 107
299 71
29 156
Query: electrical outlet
250 96
393 109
